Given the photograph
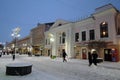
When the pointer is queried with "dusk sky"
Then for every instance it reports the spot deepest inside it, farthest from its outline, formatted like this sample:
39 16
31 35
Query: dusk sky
27 13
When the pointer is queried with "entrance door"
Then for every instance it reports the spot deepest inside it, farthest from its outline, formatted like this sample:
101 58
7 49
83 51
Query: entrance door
107 55
48 52
84 54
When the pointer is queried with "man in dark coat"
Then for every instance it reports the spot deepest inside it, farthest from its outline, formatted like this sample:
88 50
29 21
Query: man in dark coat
95 56
64 55
13 56
90 58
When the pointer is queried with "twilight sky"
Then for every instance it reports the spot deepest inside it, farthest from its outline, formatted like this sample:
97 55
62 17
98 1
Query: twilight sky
27 13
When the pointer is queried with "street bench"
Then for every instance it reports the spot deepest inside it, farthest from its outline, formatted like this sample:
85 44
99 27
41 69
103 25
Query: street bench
18 69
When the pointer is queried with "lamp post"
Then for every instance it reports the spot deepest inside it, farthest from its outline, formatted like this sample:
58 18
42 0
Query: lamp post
15 34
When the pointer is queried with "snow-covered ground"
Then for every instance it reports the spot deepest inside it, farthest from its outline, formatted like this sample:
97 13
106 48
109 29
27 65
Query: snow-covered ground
45 68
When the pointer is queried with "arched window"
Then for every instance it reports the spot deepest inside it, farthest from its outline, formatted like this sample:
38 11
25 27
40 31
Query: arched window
103 30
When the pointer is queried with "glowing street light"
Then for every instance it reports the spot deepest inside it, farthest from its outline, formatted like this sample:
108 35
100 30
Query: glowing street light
15 34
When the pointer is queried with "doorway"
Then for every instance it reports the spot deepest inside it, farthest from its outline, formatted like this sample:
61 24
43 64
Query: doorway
49 52
84 53
107 55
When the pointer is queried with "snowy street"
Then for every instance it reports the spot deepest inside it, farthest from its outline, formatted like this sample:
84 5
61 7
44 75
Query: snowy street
45 68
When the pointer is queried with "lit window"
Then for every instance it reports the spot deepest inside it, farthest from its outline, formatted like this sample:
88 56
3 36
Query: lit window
103 30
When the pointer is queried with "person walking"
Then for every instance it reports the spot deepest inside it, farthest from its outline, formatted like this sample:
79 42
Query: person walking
13 57
64 56
90 58
95 56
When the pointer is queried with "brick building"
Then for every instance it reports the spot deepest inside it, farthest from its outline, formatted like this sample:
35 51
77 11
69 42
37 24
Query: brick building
37 37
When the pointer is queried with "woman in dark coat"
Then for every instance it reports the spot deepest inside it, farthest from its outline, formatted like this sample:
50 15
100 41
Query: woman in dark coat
64 55
90 58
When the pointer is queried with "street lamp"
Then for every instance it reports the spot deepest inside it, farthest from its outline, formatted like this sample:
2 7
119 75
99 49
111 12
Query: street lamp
15 34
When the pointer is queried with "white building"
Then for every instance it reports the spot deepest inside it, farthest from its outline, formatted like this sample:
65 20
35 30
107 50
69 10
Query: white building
59 37
103 24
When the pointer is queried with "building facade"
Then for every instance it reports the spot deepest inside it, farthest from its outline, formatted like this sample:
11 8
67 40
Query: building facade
37 38
103 25
58 38
10 46
24 45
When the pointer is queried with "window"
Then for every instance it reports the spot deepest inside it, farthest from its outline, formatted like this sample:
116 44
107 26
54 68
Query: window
83 35
46 41
63 37
76 37
92 34
103 30
59 24
118 30
60 40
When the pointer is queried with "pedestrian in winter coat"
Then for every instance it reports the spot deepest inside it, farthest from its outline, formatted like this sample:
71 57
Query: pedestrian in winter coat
64 55
13 55
90 58
95 56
